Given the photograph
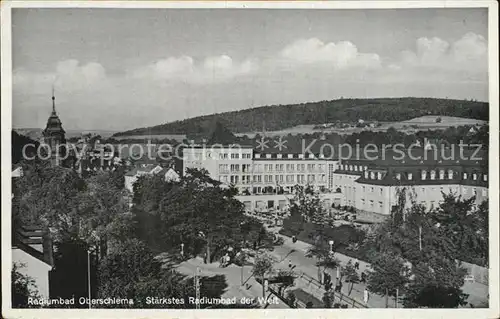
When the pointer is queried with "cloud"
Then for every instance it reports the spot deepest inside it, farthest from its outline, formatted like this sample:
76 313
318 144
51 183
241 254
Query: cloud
185 69
69 75
339 55
469 52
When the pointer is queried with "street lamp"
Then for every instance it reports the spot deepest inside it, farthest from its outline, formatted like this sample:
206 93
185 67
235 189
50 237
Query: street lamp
331 245
88 276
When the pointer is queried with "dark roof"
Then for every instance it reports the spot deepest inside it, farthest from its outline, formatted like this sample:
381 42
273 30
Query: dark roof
34 235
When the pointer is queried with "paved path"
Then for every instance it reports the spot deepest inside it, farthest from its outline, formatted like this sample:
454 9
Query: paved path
233 279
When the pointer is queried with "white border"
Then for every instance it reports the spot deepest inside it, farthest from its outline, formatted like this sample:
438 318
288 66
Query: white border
6 103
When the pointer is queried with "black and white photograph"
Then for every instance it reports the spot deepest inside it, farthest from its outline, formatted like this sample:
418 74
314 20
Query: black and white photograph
193 156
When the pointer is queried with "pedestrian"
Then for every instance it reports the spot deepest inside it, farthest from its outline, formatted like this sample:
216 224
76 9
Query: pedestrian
254 245
289 263
363 277
205 258
366 296
356 265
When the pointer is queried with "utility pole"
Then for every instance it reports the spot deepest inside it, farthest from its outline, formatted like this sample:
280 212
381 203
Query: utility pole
197 286
88 276
420 237
397 296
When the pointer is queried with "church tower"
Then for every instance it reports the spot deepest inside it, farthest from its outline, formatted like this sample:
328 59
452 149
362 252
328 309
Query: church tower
54 134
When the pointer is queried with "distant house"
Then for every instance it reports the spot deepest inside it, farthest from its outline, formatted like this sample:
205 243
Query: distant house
169 173
473 130
32 250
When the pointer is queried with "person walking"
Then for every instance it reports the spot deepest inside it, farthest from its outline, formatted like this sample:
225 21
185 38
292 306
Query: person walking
356 265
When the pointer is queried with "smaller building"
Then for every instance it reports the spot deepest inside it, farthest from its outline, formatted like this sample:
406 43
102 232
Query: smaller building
169 173
32 251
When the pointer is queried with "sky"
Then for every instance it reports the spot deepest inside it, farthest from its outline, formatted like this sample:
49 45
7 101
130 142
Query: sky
116 69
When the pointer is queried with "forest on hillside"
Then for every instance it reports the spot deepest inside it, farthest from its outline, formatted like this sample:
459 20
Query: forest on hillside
278 117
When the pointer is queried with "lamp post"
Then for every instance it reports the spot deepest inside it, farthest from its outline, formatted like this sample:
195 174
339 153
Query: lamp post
265 284
88 277
331 242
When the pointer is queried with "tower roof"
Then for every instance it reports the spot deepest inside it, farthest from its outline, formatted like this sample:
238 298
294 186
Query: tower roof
54 124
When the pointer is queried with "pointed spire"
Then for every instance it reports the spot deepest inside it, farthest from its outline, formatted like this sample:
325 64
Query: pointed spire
53 100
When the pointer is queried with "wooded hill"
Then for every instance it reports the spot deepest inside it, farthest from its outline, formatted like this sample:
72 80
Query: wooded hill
278 117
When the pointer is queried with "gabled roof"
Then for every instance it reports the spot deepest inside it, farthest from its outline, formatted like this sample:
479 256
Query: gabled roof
26 236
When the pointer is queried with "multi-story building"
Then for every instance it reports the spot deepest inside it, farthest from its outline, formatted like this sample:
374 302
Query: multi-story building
371 185
264 180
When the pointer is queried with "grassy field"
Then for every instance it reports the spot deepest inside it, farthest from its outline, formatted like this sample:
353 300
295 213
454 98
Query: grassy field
422 123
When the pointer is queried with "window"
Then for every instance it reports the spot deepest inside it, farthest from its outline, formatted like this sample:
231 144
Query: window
371 190
362 202
380 205
398 176
441 174
465 176
224 179
365 168
450 174
410 176
363 189
474 176
371 204
323 178
366 174
277 167
381 191
485 177
465 191
281 178
372 175
424 175
355 168
235 156
433 174
485 192
475 191
342 166
350 167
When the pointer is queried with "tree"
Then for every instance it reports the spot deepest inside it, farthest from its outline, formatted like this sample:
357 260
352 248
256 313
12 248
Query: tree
23 287
351 275
196 212
132 272
417 256
263 266
308 203
388 274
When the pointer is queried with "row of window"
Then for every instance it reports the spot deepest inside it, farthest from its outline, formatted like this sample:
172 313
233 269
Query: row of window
375 175
235 155
442 175
450 174
247 179
289 167
353 168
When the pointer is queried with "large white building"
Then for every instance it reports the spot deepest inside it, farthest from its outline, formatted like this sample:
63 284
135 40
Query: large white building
265 181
